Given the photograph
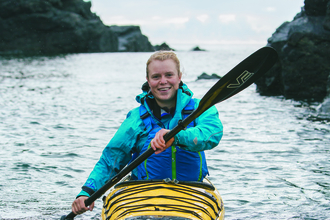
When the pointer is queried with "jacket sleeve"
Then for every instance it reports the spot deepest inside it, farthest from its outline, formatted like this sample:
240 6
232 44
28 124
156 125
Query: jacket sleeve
116 154
205 135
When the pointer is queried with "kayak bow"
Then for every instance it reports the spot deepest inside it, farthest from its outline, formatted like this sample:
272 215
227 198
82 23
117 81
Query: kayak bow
163 199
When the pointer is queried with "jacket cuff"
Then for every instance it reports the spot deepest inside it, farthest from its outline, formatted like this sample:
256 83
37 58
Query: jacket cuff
86 191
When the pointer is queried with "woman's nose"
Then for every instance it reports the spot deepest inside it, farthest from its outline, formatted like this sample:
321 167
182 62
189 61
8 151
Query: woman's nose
163 80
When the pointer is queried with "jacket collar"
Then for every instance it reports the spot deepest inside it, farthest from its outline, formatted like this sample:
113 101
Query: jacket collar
184 95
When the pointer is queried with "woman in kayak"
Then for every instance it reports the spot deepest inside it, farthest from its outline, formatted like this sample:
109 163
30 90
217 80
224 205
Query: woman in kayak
164 101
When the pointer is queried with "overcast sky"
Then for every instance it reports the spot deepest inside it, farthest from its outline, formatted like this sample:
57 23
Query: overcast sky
192 22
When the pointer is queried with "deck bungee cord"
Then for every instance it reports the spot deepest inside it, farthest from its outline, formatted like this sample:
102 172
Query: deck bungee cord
142 188
169 208
128 199
176 198
174 209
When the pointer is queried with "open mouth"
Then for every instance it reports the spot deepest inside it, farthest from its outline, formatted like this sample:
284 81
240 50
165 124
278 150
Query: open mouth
164 89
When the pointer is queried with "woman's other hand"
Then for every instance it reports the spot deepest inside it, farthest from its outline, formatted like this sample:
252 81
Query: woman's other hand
78 205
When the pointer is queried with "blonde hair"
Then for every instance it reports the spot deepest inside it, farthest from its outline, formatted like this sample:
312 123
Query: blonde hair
164 55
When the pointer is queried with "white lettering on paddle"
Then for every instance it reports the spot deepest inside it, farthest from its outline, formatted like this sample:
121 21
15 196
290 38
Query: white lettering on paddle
241 80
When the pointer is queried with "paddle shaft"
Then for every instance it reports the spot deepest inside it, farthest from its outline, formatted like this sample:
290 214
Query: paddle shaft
126 170
240 77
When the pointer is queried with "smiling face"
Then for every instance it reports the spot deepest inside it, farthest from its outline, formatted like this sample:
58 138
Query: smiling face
164 79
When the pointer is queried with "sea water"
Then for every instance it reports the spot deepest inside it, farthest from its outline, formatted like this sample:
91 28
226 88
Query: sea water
58 113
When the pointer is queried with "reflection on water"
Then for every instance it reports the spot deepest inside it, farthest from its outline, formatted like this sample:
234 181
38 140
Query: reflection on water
57 114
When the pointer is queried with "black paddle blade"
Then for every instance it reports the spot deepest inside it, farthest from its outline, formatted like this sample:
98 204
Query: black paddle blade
240 77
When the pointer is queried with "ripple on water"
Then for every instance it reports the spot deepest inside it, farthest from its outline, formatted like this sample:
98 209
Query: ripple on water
59 155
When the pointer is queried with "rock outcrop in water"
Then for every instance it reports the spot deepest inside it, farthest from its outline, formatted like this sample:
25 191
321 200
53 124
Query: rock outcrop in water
303 46
207 76
163 46
61 26
131 39
197 49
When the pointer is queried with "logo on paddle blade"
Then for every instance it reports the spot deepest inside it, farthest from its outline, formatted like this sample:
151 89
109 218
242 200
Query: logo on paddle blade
245 76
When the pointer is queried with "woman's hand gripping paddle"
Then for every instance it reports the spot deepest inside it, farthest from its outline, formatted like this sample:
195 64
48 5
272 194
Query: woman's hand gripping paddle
240 77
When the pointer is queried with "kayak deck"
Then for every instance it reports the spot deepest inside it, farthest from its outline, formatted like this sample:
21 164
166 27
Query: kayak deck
158 199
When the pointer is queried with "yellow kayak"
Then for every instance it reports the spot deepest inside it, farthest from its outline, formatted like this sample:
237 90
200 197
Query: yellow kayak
163 199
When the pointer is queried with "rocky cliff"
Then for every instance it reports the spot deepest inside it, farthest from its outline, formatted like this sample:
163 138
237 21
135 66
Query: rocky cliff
130 38
303 45
61 26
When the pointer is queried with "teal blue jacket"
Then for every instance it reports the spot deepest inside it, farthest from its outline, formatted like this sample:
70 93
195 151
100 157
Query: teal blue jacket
132 135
